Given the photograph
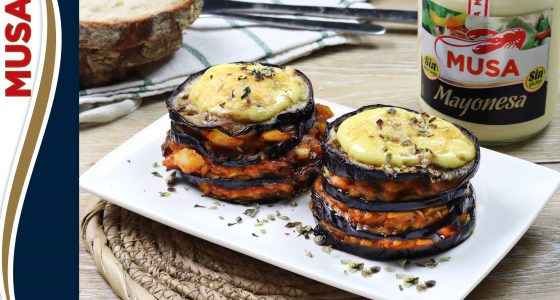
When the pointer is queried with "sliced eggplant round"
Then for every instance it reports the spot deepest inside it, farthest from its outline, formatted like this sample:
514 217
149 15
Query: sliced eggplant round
181 112
235 158
253 191
336 160
307 171
455 209
389 248
305 155
395 206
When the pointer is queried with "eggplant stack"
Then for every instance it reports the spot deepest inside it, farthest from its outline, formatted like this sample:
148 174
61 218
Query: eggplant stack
395 184
246 132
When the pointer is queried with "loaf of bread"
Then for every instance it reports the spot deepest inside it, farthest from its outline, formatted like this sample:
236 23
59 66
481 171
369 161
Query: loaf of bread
118 35
100 67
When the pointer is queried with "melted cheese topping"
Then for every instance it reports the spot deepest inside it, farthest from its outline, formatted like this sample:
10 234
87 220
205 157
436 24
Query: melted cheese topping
399 138
248 92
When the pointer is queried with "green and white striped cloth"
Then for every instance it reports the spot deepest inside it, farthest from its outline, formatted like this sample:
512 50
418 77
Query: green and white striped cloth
210 41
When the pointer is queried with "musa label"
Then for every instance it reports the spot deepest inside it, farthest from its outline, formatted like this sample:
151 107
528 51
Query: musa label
485 69
18 56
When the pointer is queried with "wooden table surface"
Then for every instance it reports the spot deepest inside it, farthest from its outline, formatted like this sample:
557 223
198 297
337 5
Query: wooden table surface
380 70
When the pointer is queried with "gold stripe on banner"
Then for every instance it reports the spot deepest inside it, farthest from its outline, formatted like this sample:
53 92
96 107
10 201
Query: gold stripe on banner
31 140
480 85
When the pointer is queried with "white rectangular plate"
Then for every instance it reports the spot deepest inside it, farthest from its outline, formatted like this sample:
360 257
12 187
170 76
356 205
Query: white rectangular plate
510 194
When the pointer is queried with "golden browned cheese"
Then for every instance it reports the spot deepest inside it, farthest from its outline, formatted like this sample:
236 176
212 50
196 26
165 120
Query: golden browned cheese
248 92
400 138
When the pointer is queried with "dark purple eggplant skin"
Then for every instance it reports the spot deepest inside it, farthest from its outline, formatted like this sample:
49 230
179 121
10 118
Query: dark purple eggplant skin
270 152
309 170
299 186
384 206
337 161
456 208
244 128
441 245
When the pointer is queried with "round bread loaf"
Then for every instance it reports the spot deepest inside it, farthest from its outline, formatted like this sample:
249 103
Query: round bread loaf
100 66
118 35
123 24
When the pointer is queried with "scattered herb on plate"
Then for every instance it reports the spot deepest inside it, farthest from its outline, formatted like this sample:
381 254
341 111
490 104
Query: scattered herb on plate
368 272
171 178
410 280
304 229
292 224
251 212
319 240
353 267
402 262
421 286
432 263
444 259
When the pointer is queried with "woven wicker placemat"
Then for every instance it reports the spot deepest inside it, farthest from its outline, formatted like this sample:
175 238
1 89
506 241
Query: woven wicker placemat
143 259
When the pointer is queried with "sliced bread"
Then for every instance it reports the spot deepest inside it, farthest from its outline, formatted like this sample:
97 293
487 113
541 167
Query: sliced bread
123 24
124 48
99 66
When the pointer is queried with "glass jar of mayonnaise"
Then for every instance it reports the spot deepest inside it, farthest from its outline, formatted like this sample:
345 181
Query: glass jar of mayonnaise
491 65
